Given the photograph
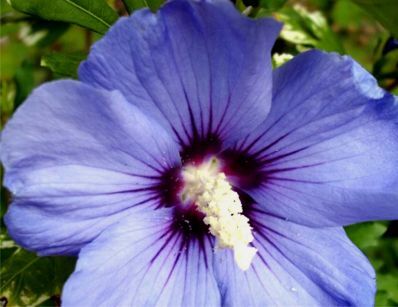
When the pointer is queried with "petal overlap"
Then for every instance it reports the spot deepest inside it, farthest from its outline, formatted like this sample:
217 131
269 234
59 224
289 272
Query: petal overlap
76 159
296 266
144 260
200 68
327 154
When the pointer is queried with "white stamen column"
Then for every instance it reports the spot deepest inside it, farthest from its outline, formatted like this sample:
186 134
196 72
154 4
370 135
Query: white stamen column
210 190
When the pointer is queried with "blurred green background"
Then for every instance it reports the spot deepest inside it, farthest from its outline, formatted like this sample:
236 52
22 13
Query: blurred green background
45 40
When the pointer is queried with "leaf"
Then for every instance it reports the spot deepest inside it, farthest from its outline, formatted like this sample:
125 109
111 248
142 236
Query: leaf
42 33
384 11
308 29
6 108
28 279
389 284
272 5
12 56
5 8
366 235
133 5
348 15
95 15
63 64
24 82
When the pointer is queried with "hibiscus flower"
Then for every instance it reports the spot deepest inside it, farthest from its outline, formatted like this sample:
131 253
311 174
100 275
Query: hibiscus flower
183 171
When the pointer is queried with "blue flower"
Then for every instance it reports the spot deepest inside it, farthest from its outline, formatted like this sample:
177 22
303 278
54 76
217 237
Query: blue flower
184 172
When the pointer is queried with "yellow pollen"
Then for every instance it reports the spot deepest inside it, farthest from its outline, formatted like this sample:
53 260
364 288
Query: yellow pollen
209 189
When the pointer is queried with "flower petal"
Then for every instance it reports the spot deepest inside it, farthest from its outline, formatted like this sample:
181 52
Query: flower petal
199 67
143 261
297 266
76 158
328 152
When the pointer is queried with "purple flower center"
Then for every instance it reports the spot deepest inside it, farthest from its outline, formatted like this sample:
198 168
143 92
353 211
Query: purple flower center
242 171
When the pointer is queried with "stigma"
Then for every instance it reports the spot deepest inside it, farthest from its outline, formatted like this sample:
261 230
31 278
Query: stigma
210 191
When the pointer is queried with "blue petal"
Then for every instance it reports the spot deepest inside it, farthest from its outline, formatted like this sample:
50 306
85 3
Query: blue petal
328 151
77 159
297 266
199 67
143 261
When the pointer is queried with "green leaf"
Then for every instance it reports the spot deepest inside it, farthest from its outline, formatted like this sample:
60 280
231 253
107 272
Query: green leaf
388 283
272 5
95 15
12 55
63 64
308 29
366 235
42 33
28 279
133 5
24 82
384 11
347 14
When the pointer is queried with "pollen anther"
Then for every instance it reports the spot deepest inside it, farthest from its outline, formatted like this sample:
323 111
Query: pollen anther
211 192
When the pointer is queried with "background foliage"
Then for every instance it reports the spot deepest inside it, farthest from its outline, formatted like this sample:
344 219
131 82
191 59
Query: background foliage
41 40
